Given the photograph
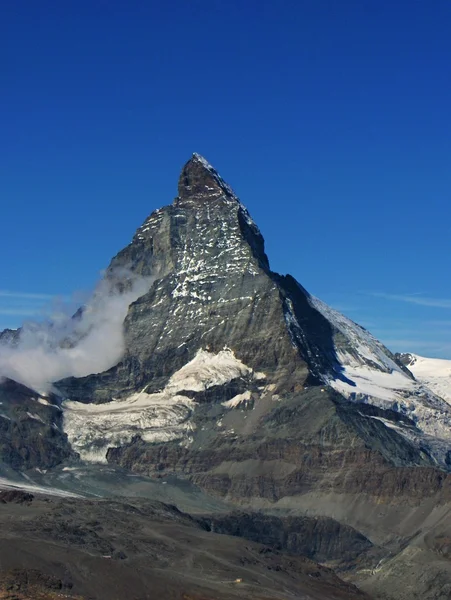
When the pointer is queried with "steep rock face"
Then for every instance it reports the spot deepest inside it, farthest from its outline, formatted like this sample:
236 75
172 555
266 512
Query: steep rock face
313 441
213 288
320 539
31 429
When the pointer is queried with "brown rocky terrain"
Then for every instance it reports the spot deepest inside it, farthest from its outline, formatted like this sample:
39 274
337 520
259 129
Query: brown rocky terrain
108 550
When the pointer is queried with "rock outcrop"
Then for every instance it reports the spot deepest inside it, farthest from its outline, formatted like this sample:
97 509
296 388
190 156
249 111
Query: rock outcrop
31 429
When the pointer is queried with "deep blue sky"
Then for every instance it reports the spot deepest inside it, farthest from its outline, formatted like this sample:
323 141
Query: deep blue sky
330 119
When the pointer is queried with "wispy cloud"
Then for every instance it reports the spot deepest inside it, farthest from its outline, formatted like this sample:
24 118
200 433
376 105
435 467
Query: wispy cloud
42 353
20 312
16 306
418 346
413 299
25 295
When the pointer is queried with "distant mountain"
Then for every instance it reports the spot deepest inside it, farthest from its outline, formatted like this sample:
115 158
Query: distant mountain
435 373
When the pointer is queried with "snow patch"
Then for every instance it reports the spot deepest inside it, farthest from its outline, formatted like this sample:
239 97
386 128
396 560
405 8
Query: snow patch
435 373
35 417
208 369
237 400
159 417
9 484
43 401
367 381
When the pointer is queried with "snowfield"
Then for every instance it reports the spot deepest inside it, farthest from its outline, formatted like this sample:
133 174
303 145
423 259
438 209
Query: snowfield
206 370
435 373
10 484
157 417
371 382
369 373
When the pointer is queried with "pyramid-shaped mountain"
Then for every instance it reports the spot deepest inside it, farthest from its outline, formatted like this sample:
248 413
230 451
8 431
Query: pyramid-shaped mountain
236 387
213 289
218 330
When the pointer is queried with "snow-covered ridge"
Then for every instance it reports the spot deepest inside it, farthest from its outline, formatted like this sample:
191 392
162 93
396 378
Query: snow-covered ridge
219 180
157 417
435 373
360 343
225 186
368 373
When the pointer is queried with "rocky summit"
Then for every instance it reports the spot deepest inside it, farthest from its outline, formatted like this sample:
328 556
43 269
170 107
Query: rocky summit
261 412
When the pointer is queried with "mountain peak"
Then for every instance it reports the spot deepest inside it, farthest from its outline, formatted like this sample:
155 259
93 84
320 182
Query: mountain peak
199 158
199 181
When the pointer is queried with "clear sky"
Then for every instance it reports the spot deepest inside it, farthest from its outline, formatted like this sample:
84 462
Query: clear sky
330 119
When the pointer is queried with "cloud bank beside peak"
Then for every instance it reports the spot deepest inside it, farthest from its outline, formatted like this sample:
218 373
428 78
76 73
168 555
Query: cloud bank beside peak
92 341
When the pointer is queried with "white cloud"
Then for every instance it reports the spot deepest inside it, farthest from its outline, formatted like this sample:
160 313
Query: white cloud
20 312
25 295
67 346
413 299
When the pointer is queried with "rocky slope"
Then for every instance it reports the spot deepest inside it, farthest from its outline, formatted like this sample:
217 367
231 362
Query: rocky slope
321 538
31 428
141 550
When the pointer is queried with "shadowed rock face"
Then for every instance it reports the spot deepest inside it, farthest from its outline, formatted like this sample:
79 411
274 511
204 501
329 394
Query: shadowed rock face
31 429
321 539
